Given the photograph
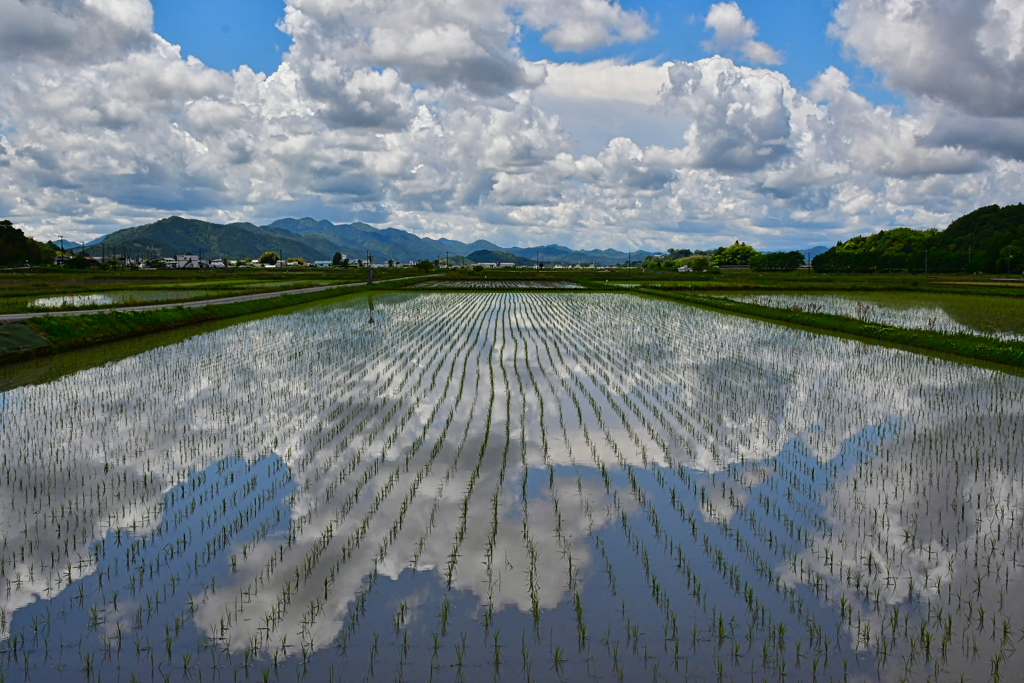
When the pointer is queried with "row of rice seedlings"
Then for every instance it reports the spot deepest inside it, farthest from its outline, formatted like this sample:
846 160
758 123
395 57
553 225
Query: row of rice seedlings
364 528
499 284
793 505
572 584
104 486
909 315
798 531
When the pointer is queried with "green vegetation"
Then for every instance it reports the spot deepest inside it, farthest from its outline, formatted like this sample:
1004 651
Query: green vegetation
16 249
20 288
737 254
999 316
780 260
491 256
26 286
269 258
176 235
318 240
76 331
989 240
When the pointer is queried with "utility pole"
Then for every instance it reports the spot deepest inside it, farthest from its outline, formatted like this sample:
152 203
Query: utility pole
369 267
926 261
447 264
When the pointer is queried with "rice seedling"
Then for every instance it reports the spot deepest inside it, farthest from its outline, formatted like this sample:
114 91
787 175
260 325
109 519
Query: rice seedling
634 486
953 314
498 284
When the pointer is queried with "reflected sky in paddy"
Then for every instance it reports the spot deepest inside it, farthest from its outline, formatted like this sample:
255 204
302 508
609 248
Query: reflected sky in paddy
512 484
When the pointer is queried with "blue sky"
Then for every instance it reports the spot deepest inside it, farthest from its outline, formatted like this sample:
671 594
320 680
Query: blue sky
228 33
225 34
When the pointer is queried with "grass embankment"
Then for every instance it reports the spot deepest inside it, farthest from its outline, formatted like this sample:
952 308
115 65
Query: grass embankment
66 332
748 280
976 347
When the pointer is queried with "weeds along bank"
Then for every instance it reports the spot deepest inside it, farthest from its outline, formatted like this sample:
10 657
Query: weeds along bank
534 486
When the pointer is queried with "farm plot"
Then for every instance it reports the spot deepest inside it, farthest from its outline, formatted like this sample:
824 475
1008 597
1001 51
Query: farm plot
1001 317
497 284
517 486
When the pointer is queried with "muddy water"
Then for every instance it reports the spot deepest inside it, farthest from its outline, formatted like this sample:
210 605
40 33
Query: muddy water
535 486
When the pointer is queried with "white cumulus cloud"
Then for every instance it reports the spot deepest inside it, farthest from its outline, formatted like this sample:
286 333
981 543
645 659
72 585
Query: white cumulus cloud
734 32
425 115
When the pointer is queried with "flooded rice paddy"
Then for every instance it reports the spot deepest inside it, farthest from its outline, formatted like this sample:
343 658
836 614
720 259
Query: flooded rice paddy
951 313
513 486
110 298
497 284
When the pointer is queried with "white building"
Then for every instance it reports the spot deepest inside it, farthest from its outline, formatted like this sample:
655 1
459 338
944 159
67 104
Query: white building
685 269
187 261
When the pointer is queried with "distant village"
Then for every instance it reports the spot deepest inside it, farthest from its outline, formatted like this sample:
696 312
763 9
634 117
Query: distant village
197 262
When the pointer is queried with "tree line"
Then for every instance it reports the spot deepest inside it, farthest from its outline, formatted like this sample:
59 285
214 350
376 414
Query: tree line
17 249
738 254
988 240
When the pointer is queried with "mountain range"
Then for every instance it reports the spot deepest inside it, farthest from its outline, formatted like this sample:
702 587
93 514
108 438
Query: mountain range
319 240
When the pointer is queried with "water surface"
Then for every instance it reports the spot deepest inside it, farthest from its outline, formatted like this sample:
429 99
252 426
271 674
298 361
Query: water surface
512 486
997 316
128 297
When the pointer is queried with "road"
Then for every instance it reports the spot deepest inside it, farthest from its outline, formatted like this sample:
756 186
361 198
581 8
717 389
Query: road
14 317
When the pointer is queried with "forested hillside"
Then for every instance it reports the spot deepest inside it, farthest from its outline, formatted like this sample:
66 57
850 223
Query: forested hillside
16 249
989 240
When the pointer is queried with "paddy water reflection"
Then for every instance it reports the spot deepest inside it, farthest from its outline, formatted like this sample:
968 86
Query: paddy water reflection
512 485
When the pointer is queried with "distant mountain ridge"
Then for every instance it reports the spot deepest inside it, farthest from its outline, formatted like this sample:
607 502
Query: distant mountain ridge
319 240
176 235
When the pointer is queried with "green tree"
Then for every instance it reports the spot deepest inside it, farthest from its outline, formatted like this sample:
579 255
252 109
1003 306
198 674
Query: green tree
699 264
79 262
269 258
336 261
17 250
781 260
737 254
425 265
